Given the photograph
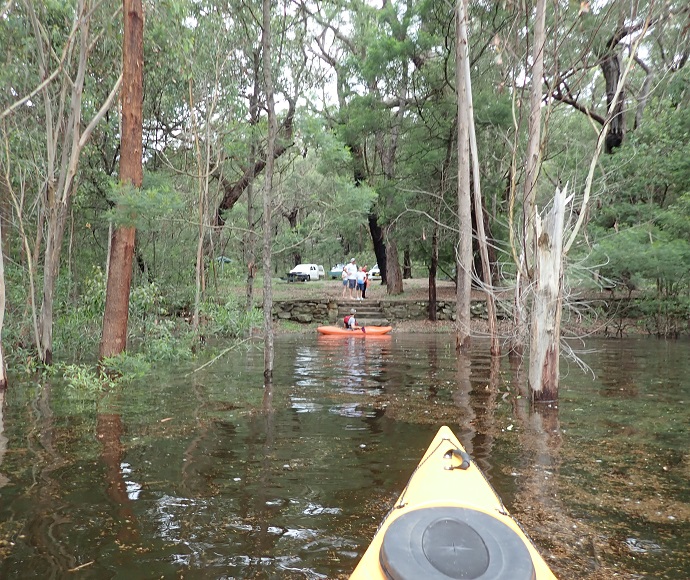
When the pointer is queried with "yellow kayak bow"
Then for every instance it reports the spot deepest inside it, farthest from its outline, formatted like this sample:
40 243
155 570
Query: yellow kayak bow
449 523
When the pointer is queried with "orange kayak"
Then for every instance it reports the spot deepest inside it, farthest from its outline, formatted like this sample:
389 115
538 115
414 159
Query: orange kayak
368 331
450 523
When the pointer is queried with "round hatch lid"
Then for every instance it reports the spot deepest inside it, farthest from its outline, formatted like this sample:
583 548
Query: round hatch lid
453 542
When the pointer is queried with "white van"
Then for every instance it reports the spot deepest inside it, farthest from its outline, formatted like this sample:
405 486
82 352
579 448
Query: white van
304 272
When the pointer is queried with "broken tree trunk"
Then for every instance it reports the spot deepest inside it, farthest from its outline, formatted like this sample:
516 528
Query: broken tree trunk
545 325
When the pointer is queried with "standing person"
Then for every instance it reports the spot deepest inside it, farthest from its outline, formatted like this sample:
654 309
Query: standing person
366 281
351 277
343 276
361 279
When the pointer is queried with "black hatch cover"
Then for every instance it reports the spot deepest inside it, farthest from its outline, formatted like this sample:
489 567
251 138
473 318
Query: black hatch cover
453 542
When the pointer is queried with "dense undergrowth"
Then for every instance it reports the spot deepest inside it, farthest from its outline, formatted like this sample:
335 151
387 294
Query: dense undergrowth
159 332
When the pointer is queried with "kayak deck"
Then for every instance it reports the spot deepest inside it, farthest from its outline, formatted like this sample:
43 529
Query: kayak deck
340 331
450 523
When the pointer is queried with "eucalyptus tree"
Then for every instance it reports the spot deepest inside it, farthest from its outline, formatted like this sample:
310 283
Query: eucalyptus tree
370 51
463 259
574 64
591 52
317 199
63 39
267 194
114 337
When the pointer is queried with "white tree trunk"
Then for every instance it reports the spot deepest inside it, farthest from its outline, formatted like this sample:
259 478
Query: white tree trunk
463 258
545 324
532 166
479 208
65 137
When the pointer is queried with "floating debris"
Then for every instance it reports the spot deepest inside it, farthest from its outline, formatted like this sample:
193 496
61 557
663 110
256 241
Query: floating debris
642 546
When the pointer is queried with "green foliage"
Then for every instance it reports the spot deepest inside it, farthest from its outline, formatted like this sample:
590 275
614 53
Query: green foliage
665 316
127 367
143 209
386 146
645 258
642 233
164 340
229 320
83 381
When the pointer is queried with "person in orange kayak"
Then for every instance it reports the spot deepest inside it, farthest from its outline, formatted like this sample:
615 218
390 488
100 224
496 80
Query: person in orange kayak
351 322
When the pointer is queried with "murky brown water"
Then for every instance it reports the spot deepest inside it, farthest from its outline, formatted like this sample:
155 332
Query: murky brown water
202 476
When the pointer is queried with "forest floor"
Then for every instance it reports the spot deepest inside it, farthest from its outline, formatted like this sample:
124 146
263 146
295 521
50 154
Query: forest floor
583 319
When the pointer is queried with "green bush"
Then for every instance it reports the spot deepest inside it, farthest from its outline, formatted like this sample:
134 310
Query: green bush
228 320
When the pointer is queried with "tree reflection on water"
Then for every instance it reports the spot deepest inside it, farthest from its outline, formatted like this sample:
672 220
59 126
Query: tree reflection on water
238 478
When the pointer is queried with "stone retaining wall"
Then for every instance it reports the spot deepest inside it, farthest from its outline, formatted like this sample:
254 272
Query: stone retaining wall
419 309
306 311
326 311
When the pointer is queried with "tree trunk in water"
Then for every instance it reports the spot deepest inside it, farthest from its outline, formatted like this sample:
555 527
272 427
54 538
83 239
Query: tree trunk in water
267 194
116 316
51 265
546 308
68 135
433 271
202 201
395 281
463 258
532 166
485 266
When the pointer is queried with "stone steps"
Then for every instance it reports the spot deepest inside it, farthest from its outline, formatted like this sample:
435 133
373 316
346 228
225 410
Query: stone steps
369 312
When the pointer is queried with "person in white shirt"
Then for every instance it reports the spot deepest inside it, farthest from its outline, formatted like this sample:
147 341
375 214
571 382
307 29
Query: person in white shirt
351 269
361 281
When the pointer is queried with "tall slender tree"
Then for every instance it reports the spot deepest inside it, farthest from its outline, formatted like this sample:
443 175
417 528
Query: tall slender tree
482 242
116 315
3 368
463 258
65 138
266 42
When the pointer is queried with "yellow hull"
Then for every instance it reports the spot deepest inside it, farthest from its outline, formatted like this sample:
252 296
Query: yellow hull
450 523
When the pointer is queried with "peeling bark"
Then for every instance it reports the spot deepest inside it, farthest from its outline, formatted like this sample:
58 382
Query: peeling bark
547 304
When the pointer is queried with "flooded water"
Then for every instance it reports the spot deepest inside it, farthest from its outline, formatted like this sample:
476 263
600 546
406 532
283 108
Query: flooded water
206 475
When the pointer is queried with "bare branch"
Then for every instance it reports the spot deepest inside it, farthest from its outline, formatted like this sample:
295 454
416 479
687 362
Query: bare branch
101 113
